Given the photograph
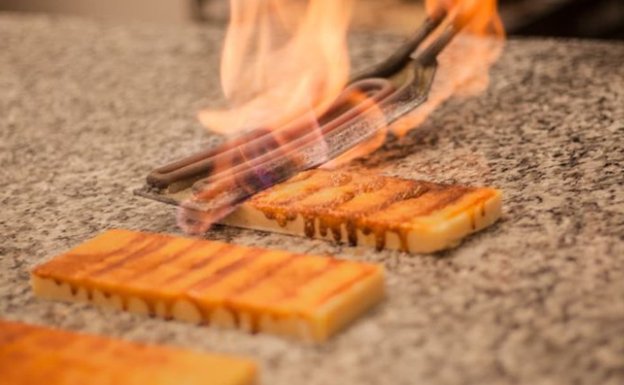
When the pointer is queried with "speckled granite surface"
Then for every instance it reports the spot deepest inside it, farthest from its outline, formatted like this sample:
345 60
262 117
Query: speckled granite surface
87 109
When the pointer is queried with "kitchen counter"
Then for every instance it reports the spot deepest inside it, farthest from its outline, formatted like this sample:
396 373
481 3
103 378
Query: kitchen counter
87 109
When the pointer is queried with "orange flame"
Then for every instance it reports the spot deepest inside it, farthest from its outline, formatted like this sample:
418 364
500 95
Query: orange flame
465 64
281 62
479 17
273 71
281 68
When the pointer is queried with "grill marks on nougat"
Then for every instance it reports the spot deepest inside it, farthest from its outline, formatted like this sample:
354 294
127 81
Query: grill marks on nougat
36 355
341 203
213 278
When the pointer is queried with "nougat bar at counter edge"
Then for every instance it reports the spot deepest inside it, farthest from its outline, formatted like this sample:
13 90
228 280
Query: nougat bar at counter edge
371 210
33 355
301 296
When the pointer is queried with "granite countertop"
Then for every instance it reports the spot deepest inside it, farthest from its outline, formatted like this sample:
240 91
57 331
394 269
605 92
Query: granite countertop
87 109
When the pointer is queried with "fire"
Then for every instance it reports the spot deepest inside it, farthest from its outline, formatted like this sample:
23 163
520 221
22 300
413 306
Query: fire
283 60
274 70
465 64
284 74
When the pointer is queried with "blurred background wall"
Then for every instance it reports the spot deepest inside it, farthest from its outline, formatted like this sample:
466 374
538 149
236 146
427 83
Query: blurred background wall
602 19
167 11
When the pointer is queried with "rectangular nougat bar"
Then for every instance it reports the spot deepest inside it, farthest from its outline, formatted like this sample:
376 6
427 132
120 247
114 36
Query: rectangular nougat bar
31 355
372 210
200 281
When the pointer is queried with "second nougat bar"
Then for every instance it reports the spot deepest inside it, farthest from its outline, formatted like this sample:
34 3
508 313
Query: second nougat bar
371 210
302 296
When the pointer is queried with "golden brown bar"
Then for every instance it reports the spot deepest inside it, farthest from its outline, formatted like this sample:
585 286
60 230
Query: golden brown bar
31 355
373 210
200 281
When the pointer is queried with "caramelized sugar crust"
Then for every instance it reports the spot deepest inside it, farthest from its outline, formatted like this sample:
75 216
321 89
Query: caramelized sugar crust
36 355
213 283
330 201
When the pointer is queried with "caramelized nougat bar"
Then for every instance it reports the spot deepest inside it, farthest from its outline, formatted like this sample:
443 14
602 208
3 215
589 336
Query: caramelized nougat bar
303 296
373 210
31 355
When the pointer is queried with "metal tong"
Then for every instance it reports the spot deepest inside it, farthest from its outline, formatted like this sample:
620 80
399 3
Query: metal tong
217 180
